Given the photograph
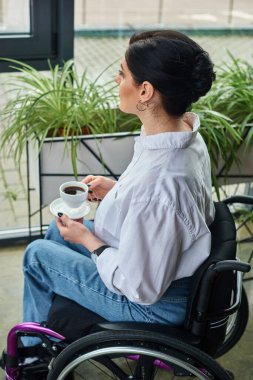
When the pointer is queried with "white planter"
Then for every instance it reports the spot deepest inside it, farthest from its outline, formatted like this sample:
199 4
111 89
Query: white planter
114 152
241 172
237 173
111 155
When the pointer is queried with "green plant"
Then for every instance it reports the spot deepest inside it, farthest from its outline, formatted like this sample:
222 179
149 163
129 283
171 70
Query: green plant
66 103
234 95
59 104
226 114
221 138
242 215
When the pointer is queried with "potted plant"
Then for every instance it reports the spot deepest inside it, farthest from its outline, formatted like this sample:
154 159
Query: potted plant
77 114
61 104
73 111
231 96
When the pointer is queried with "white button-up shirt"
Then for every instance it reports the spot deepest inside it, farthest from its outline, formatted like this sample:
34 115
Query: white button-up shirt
155 219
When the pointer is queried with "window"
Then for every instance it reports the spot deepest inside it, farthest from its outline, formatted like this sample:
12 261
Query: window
45 31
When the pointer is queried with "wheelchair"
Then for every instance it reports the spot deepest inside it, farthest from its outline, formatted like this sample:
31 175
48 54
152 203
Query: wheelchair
78 344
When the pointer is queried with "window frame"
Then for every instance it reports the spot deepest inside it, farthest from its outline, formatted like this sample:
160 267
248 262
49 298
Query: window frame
51 36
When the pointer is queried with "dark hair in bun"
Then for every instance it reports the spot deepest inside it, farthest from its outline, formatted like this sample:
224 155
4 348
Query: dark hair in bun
174 64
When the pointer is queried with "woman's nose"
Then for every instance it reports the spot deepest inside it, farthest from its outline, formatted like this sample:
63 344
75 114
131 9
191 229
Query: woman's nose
117 79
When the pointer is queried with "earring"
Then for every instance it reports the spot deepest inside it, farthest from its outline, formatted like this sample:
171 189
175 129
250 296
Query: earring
141 106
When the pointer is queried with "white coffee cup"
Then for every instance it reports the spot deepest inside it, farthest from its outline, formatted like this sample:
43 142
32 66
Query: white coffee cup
73 193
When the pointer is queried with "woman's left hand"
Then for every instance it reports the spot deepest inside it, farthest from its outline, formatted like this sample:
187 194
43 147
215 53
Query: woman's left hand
72 230
76 232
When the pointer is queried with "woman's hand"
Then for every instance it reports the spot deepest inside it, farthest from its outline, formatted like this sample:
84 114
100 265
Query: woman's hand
98 186
76 232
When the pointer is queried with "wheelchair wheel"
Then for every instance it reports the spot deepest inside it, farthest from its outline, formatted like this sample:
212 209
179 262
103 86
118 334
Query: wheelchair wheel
133 355
236 326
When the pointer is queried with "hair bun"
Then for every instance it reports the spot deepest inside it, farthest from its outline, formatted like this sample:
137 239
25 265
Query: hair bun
202 75
177 67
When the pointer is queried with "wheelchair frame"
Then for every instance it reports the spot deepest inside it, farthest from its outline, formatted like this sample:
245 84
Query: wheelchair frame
186 352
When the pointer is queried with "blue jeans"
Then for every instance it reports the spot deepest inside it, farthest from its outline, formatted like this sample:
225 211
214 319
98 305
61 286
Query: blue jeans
53 265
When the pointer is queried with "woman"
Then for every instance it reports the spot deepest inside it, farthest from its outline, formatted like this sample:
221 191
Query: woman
151 229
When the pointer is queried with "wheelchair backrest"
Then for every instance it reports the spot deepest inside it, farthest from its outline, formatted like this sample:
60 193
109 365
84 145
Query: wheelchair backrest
211 290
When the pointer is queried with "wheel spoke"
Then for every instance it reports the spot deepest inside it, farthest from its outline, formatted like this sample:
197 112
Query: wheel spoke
112 366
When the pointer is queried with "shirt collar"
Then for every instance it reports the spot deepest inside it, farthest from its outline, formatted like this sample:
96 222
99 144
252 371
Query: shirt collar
175 140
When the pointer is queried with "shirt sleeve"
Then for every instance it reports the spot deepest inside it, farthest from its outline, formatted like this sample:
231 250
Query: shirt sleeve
152 239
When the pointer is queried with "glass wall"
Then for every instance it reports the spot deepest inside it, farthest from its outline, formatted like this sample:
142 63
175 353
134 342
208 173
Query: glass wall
177 14
14 16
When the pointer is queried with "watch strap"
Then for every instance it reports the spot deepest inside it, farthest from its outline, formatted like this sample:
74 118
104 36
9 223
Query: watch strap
99 250
95 254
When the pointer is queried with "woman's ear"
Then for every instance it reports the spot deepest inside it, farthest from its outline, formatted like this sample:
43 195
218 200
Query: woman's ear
147 91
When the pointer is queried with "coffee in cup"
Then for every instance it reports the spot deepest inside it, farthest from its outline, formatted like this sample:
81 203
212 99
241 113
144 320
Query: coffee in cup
74 193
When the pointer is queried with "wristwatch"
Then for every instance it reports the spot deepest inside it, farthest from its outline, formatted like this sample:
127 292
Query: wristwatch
97 252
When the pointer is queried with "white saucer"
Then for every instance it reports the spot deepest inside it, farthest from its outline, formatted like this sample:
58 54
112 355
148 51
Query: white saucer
74 213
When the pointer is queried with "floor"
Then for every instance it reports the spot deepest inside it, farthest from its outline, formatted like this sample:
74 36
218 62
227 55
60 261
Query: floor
239 359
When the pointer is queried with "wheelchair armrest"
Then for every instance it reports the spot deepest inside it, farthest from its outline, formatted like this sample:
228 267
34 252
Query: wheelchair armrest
232 265
244 199
218 316
211 274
